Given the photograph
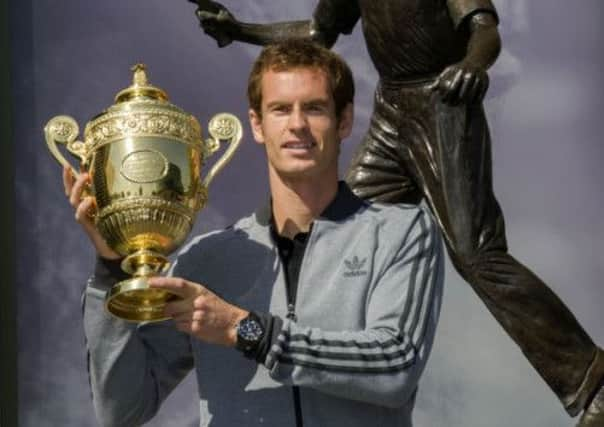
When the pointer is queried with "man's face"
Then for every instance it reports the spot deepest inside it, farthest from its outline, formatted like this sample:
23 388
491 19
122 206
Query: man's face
298 126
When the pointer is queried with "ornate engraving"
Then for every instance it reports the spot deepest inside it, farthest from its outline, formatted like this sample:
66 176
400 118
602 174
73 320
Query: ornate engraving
223 126
150 122
63 129
148 222
153 204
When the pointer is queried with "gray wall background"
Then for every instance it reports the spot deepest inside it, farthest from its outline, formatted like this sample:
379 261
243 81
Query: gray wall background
545 109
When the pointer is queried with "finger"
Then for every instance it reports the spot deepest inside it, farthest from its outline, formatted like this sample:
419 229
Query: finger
466 84
224 16
188 317
474 92
482 90
441 81
452 87
434 85
485 86
206 16
85 210
68 179
177 286
77 189
178 308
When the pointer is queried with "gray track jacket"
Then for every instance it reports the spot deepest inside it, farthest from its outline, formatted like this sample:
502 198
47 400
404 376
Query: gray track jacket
369 296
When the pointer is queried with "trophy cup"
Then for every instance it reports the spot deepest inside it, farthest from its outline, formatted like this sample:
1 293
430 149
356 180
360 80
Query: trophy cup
144 156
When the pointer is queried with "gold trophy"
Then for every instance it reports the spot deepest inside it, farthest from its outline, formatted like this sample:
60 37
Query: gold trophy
144 156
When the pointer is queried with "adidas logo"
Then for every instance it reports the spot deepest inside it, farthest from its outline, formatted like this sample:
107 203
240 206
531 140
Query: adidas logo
355 267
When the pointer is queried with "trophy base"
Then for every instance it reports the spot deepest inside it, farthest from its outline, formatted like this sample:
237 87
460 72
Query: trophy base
134 301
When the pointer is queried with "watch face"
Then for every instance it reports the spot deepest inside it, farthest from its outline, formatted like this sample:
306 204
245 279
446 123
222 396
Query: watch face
250 330
249 334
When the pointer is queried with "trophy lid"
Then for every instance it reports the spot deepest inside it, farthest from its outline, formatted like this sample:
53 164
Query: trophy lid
140 88
142 110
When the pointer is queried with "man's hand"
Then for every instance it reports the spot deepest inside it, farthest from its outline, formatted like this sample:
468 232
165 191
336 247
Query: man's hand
467 81
200 312
462 83
216 21
85 208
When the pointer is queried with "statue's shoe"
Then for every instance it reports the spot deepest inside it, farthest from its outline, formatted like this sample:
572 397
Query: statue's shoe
593 416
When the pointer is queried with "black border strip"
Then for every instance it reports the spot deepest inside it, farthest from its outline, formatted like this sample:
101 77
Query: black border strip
8 303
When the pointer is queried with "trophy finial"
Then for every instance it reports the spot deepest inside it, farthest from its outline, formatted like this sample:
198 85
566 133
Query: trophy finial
141 88
140 74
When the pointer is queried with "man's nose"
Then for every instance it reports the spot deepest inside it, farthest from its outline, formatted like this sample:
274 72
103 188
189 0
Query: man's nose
297 119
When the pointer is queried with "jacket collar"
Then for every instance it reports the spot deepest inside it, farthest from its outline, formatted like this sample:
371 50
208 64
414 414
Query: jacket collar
345 204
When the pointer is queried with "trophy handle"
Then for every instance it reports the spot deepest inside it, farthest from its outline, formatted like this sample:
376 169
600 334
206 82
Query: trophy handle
222 127
64 130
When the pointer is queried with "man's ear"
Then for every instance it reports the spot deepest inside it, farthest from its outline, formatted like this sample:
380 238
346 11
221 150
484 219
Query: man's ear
256 124
346 121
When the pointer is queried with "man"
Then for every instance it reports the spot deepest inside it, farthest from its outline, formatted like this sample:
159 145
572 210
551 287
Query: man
429 138
332 302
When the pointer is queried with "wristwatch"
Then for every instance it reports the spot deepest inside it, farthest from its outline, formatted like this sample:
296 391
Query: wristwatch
250 332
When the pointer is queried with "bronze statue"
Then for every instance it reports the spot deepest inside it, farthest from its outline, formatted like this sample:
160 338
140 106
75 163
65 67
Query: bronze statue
429 138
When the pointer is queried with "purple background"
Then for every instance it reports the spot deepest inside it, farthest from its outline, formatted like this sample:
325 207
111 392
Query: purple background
545 110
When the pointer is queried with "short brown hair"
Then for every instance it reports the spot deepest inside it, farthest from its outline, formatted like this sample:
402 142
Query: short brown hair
299 53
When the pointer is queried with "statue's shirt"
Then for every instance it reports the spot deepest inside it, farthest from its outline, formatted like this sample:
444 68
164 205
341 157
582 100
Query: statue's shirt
406 39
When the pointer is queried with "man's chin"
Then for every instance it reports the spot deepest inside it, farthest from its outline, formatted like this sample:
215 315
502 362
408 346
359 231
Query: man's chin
299 173
300 167
303 170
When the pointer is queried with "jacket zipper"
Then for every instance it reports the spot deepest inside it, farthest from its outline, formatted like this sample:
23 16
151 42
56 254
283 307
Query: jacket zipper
297 406
291 314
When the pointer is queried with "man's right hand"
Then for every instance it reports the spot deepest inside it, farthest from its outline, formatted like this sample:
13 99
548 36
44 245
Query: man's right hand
217 21
85 207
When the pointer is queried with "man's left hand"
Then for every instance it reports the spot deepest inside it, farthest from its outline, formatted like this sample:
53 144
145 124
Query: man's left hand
200 312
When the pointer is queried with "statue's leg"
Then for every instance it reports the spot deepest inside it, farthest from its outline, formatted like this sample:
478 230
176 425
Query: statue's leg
446 151
534 317
376 172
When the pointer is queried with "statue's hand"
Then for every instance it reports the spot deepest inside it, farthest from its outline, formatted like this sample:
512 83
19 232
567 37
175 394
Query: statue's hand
462 83
217 21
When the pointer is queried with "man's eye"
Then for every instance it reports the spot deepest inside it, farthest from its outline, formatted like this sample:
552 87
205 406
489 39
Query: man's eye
281 108
316 109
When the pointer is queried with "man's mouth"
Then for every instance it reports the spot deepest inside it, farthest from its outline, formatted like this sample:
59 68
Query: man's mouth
299 145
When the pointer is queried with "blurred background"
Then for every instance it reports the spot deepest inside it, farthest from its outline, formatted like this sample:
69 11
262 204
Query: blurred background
545 110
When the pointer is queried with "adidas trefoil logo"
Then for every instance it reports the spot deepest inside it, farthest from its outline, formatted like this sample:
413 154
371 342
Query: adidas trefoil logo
355 267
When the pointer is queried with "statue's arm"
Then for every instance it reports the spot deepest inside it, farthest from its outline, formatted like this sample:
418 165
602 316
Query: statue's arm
262 34
467 81
484 44
219 23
